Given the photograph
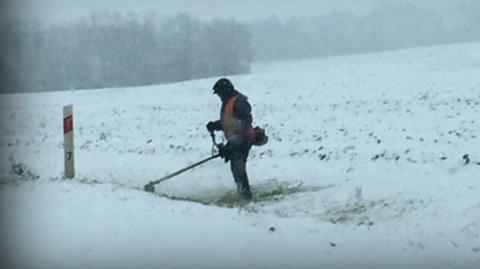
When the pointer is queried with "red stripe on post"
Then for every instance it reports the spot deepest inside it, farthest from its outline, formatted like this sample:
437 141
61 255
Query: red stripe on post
68 124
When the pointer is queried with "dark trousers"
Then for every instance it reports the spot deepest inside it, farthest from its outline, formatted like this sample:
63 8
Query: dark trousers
238 163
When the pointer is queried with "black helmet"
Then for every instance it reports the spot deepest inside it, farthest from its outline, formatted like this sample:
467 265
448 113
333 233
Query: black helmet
223 87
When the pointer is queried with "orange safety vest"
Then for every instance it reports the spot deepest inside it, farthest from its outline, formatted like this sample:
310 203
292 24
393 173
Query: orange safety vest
231 125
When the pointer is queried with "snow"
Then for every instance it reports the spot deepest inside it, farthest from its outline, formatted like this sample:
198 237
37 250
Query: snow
373 162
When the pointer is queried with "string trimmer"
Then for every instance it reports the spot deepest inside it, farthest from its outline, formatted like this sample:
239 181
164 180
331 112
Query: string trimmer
150 187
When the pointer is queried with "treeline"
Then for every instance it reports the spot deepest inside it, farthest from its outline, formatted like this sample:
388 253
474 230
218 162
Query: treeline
110 49
113 50
387 26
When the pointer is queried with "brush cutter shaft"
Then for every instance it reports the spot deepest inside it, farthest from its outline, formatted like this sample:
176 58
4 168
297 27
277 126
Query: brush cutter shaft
185 169
150 186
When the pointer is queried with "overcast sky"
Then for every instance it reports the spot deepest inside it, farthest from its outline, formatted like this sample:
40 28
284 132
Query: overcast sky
243 10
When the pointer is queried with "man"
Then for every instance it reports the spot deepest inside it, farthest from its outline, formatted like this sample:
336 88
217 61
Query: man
235 121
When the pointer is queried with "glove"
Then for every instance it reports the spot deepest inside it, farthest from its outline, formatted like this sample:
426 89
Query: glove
210 126
225 151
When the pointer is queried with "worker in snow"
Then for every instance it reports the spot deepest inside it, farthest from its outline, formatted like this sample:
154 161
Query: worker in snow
236 123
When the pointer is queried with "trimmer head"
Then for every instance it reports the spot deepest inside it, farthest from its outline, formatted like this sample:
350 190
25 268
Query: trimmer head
149 187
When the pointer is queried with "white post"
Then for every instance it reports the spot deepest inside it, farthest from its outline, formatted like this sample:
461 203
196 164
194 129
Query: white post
68 141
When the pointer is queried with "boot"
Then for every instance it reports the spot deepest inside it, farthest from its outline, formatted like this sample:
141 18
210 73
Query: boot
244 191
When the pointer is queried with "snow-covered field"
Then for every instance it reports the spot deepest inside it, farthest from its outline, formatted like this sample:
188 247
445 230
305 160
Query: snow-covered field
373 162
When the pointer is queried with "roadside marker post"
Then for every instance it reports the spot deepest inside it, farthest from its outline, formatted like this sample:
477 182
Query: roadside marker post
68 141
